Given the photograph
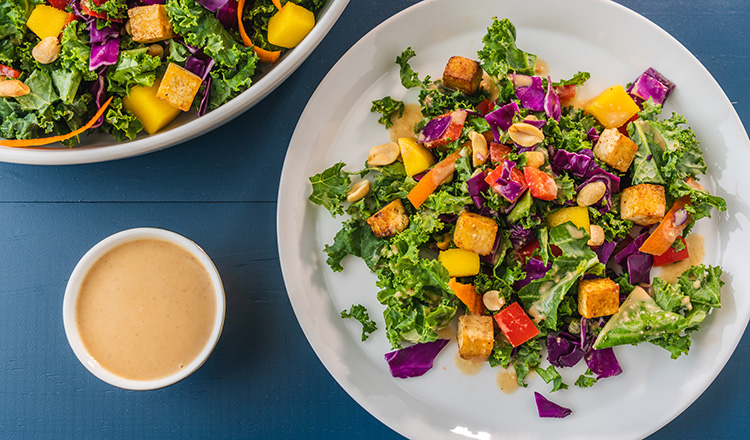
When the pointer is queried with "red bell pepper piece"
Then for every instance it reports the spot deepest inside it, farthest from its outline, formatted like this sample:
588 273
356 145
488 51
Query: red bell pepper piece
59 4
9 71
541 184
516 324
498 152
671 255
453 132
485 106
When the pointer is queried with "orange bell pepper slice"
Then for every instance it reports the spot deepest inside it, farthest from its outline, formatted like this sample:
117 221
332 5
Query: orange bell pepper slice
265 56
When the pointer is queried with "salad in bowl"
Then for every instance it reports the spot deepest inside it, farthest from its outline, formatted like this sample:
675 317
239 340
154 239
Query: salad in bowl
123 68
531 218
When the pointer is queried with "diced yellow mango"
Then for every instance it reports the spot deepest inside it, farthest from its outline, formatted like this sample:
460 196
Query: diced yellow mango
613 107
47 21
153 113
416 157
459 262
579 215
289 26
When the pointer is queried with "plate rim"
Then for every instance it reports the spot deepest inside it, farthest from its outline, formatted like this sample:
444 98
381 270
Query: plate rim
282 211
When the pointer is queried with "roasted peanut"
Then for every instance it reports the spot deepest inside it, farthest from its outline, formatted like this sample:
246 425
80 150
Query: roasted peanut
46 51
492 300
479 151
385 154
358 191
591 193
13 88
525 135
597 236
155 50
534 159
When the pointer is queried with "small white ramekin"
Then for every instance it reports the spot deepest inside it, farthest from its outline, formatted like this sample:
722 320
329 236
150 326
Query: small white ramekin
74 286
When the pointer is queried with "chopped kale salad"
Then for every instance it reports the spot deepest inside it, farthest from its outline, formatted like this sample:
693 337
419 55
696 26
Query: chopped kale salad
530 217
132 65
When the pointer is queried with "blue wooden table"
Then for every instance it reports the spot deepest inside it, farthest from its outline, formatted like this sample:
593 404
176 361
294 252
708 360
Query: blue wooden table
263 380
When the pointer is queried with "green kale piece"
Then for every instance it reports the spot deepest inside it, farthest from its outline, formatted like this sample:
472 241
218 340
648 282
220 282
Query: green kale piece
550 374
330 188
542 297
387 107
359 312
578 79
134 67
409 78
500 55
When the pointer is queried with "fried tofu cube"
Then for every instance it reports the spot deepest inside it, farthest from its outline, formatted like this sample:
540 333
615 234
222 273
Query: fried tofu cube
179 87
149 24
476 337
390 220
462 74
475 233
615 149
643 204
598 297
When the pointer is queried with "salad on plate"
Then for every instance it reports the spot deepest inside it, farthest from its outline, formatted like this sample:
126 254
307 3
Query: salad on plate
531 218
127 66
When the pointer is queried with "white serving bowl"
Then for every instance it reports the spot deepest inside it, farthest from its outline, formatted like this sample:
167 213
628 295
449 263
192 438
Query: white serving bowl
74 286
102 147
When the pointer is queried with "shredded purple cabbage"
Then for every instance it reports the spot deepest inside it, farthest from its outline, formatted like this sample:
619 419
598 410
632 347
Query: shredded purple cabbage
97 89
530 91
602 363
476 185
576 163
632 248
552 106
415 360
538 123
639 268
501 118
105 46
592 135
434 129
604 252
153 2
519 236
550 409
535 270
202 68
564 349
651 84
492 257
505 186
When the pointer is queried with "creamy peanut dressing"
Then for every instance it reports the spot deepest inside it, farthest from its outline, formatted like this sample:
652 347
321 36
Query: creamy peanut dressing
404 126
467 366
695 245
146 309
507 380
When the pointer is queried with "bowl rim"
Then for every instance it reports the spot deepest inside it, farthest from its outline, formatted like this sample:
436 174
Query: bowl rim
72 291
183 132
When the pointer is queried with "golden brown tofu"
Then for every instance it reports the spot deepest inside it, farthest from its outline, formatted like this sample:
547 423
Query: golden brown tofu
643 204
615 150
598 297
475 233
476 337
390 220
178 87
462 74
149 24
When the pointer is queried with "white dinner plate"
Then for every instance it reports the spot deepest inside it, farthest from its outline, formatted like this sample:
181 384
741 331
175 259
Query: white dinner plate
101 147
615 46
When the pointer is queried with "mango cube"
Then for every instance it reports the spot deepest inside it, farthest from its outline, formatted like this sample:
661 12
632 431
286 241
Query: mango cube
416 157
578 215
47 21
153 113
613 107
459 262
288 27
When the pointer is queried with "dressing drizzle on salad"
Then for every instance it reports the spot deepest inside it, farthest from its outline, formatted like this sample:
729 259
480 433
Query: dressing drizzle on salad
529 219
